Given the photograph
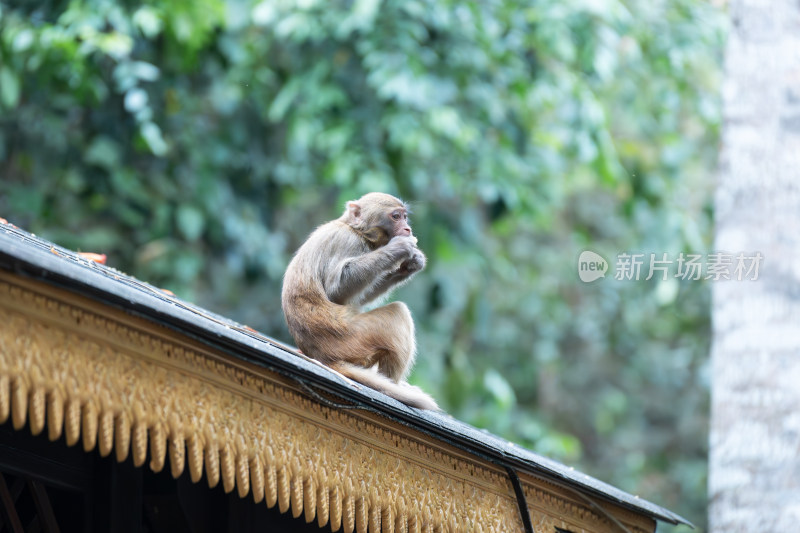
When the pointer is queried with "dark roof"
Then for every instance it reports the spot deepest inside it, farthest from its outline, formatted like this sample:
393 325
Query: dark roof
30 256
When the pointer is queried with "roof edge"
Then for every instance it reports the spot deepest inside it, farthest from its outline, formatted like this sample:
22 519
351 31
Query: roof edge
30 256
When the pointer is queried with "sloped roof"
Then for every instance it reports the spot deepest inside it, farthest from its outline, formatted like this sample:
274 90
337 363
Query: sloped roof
27 255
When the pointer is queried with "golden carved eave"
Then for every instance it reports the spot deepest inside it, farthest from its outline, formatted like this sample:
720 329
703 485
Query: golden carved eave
102 378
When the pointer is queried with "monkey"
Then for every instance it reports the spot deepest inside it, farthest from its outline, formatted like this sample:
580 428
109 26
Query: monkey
343 265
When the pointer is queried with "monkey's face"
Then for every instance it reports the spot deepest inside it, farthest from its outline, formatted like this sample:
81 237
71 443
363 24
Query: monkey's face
399 223
383 224
378 217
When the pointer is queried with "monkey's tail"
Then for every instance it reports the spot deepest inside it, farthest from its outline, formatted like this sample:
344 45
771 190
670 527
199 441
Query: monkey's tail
408 394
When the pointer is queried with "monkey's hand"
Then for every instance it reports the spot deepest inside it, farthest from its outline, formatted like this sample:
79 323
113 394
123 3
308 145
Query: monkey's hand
413 264
403 247
405 267
412 260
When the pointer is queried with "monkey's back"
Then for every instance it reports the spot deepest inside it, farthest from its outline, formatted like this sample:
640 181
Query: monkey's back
319 326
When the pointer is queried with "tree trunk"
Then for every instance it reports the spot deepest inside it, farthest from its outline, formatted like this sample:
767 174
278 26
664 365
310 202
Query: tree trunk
754 478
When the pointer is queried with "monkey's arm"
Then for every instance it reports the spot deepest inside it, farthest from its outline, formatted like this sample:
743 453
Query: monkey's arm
353 275
405 272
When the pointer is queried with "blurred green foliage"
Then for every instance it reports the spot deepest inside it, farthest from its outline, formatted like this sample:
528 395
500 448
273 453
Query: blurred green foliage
198 143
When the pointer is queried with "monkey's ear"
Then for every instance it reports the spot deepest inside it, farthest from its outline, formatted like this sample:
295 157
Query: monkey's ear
354 210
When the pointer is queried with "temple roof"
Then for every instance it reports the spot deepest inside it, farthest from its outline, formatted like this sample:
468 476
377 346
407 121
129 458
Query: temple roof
30 257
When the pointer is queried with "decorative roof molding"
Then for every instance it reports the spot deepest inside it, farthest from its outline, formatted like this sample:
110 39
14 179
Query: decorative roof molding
108 380
101 359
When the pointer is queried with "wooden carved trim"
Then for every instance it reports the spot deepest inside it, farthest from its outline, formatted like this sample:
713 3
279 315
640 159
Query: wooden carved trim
106 380
584 513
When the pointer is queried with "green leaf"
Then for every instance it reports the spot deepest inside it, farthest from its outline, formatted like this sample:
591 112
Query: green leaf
135 100
103 152
9 87
24 40
152 136
287 95
499 388
190 221
149 21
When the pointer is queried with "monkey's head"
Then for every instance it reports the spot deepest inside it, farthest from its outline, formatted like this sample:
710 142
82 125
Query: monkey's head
378 217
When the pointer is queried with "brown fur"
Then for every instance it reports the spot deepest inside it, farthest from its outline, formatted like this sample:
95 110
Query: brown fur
343 265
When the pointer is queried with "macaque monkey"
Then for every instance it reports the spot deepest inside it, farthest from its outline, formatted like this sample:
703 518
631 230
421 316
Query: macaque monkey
345 264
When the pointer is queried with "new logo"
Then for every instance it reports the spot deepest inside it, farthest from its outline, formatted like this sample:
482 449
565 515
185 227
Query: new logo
591 266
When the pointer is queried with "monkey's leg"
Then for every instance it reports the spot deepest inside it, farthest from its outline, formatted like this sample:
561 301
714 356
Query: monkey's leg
391 329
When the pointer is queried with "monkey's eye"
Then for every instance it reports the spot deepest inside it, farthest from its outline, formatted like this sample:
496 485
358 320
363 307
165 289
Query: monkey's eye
396 216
